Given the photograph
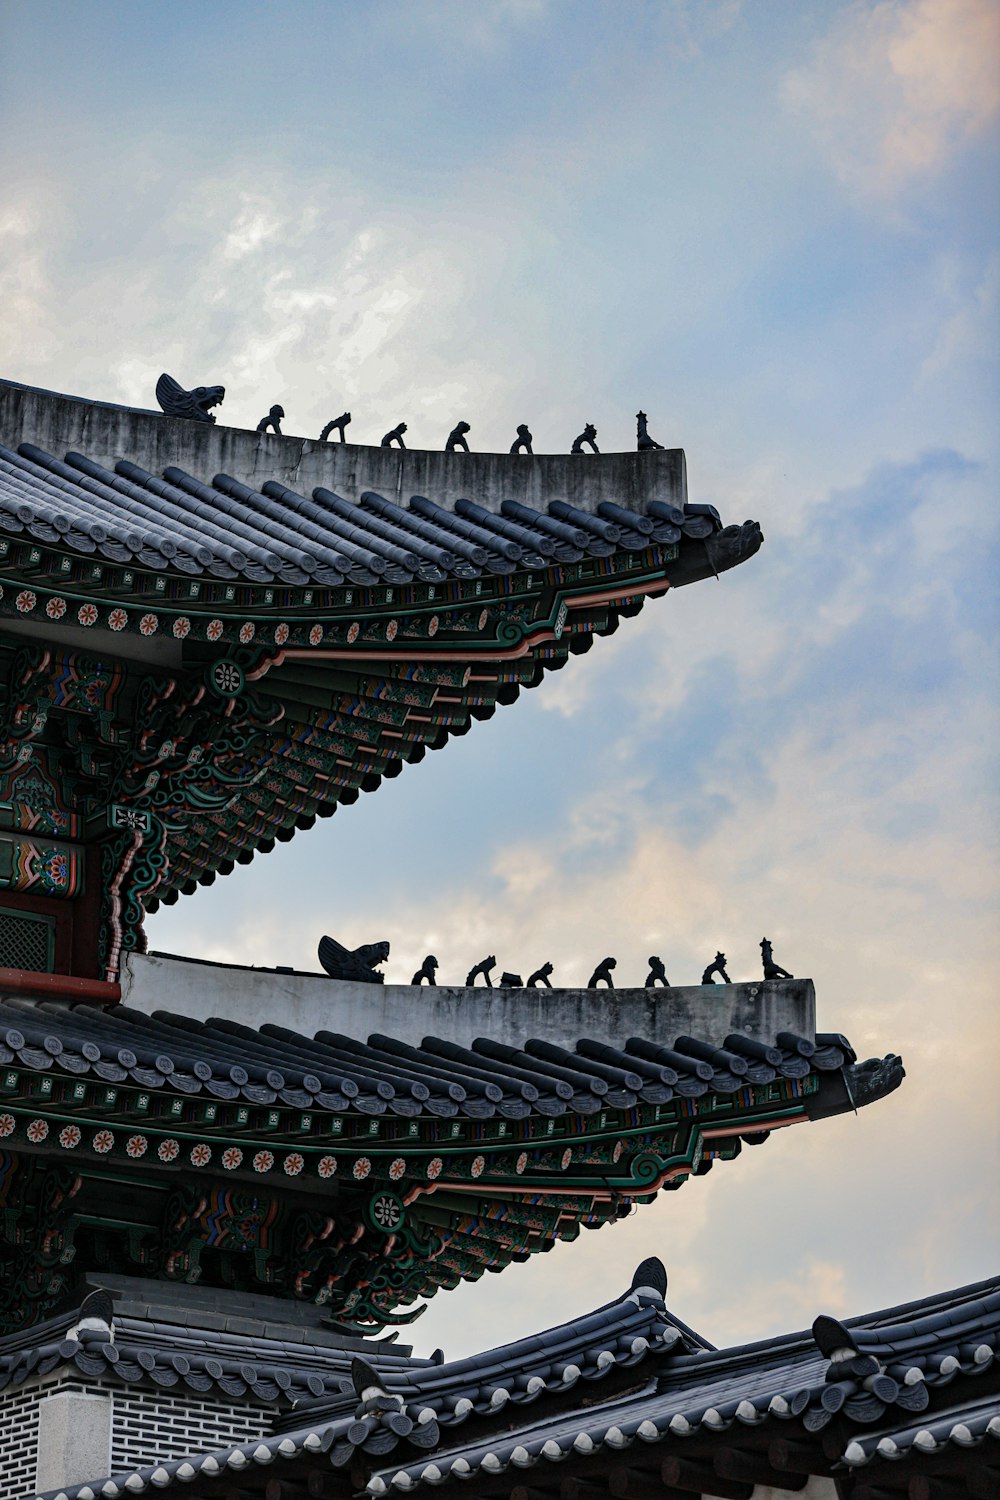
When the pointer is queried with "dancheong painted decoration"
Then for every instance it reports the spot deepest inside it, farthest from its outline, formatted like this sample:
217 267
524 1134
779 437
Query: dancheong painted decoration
209 1216
197 665
361 1176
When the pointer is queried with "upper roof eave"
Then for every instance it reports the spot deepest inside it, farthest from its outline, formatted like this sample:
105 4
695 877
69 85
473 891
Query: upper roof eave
108 433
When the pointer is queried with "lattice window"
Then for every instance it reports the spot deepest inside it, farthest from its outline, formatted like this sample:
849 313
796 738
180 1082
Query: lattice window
26 941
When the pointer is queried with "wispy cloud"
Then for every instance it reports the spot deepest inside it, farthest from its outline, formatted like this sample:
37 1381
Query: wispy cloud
895 89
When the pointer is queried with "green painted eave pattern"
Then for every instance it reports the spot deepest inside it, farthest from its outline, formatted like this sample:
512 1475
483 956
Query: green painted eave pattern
368 1214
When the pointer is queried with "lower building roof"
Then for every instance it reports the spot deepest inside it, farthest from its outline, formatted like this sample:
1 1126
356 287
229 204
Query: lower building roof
361 1176
629 1401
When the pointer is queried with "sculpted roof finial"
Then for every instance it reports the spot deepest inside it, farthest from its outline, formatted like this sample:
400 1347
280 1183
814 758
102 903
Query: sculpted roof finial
193 405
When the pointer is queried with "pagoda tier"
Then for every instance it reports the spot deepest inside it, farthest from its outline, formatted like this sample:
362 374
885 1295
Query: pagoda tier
197 663
360 1176
626 1401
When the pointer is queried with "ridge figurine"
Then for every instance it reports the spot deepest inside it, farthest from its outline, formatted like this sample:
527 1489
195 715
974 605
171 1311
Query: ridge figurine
358 963
643 439
717 966
603 972
272 420
588 435
540 978
484 966
657 974
338 423
522 441
194 405
456 438
427 971
395 436
771 969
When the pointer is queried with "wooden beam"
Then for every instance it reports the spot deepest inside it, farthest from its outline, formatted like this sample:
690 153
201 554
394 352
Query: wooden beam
939 1487
582 1489
59 986
322 1484
753 1468
702 1479
795 1458
984 1482
629 1483
285 1489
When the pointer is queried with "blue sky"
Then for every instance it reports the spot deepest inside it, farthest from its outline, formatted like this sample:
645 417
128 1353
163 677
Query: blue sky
774 227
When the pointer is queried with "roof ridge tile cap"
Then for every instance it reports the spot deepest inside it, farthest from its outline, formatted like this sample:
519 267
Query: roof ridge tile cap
833 1339
650 1278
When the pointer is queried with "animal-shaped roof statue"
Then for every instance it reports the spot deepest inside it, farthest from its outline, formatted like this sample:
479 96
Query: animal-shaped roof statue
194 405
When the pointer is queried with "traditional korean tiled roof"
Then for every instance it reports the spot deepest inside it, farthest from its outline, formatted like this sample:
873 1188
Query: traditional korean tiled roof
238 1349
458 1161
238 658
178 523
308 1379
335 1074
631 1401
883 1386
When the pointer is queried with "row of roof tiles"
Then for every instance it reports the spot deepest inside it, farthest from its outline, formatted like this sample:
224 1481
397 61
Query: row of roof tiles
313 1382
228 530
702 1393
691 1389
337 1074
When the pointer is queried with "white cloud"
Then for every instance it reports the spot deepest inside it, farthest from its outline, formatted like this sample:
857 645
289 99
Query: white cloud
488 26
313 292
968 333
253 227
895 89
28 332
